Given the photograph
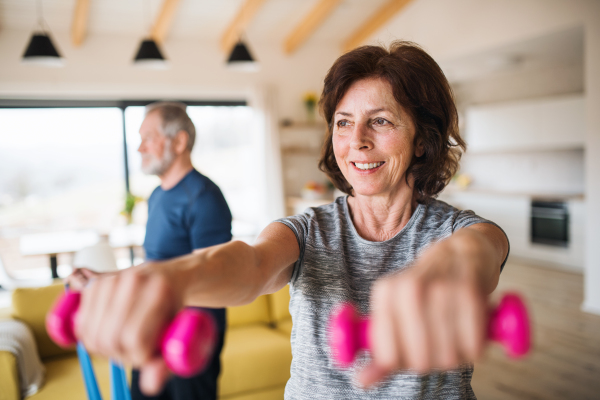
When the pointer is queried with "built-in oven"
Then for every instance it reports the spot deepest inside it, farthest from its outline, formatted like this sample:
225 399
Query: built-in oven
550 223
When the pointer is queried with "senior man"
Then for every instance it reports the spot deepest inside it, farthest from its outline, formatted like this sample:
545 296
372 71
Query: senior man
186 212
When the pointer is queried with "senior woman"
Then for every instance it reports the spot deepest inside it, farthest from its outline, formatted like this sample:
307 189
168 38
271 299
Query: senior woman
421 267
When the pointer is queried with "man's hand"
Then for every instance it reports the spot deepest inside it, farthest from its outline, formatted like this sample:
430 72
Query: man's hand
122 316
434 315
80 278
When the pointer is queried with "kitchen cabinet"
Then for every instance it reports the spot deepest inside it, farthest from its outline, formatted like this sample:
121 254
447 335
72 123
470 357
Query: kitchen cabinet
542 124
512 212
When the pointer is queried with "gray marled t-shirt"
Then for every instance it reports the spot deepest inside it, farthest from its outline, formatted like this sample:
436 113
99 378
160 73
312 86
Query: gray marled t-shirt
336 265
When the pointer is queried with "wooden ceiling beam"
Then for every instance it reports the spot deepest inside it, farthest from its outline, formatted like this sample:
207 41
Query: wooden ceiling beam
164 19
239 24
373 24
80 21
309 24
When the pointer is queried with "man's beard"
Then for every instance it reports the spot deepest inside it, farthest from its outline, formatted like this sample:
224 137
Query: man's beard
157 166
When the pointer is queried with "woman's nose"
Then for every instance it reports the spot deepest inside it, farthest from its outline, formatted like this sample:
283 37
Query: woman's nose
360 138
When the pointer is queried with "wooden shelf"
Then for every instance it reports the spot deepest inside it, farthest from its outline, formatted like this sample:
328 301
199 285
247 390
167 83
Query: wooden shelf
300 146
301 150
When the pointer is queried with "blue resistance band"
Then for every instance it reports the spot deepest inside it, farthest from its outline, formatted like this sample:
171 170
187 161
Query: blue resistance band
87 370
119 389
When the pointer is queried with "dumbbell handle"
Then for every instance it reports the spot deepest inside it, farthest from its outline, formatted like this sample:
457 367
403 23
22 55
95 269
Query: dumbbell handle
186 345
508 325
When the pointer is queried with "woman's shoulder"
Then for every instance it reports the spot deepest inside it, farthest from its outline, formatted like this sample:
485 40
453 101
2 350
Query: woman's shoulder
319 217
328 213
436 207
438 213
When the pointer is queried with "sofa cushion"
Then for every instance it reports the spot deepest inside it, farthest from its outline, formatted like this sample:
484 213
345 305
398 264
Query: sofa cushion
254 357
255 312
65 382
31 305
265 394
285 326
9 377
279 305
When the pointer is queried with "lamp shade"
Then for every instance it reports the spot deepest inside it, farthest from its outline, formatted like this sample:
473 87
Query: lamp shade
41 50
241 59
149 55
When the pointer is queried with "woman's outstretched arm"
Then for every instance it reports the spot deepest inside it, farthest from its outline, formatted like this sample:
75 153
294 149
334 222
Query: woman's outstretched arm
122 316
434 315
234 273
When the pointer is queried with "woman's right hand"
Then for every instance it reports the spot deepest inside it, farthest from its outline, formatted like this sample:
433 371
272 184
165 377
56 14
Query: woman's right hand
80 278
121 316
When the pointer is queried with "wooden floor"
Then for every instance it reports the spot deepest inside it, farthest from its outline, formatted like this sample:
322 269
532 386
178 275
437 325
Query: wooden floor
565 361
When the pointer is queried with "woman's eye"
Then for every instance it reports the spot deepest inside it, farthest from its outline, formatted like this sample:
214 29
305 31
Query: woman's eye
380 121
342 123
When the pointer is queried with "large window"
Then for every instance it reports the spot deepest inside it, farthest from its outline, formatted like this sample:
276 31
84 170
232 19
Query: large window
61 170
57 163
64 170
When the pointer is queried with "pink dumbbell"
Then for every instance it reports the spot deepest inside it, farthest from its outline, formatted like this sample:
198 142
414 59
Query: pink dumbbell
508 325
186 345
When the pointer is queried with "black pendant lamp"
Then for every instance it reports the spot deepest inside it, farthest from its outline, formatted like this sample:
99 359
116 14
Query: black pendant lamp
150 56
41 50
240 59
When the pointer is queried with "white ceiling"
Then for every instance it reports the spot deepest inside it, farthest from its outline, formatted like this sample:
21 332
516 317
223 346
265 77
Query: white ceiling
562 48
202 19
206 20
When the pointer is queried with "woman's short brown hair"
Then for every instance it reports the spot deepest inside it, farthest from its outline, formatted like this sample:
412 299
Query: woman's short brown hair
420 87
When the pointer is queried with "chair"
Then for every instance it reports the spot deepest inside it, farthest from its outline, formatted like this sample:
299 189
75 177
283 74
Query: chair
99 257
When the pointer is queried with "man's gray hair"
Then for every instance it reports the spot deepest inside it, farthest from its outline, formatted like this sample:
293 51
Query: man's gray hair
174 119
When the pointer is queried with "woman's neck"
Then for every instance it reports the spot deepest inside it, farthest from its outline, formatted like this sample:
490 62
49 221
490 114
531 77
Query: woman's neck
379 218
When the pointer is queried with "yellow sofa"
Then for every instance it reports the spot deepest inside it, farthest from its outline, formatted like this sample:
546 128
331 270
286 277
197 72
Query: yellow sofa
255 360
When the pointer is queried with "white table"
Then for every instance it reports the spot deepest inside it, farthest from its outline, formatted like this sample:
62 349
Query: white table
54 243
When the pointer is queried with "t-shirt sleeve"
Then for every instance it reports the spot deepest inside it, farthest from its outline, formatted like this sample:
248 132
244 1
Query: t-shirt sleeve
209 219
300 225
465 218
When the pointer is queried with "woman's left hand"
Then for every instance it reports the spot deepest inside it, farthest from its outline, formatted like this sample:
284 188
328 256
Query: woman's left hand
434 315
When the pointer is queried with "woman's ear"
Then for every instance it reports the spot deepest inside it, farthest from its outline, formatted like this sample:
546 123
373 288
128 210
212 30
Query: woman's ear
419 148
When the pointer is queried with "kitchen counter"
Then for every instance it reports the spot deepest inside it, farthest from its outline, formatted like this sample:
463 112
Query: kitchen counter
512 212
548 196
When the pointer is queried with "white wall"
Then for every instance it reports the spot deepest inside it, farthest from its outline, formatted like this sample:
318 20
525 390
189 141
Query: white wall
539 124
592 153
543 173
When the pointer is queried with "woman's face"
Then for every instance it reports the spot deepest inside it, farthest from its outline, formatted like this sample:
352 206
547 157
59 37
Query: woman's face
373 139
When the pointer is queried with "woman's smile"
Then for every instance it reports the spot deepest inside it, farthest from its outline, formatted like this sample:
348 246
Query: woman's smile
368 167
